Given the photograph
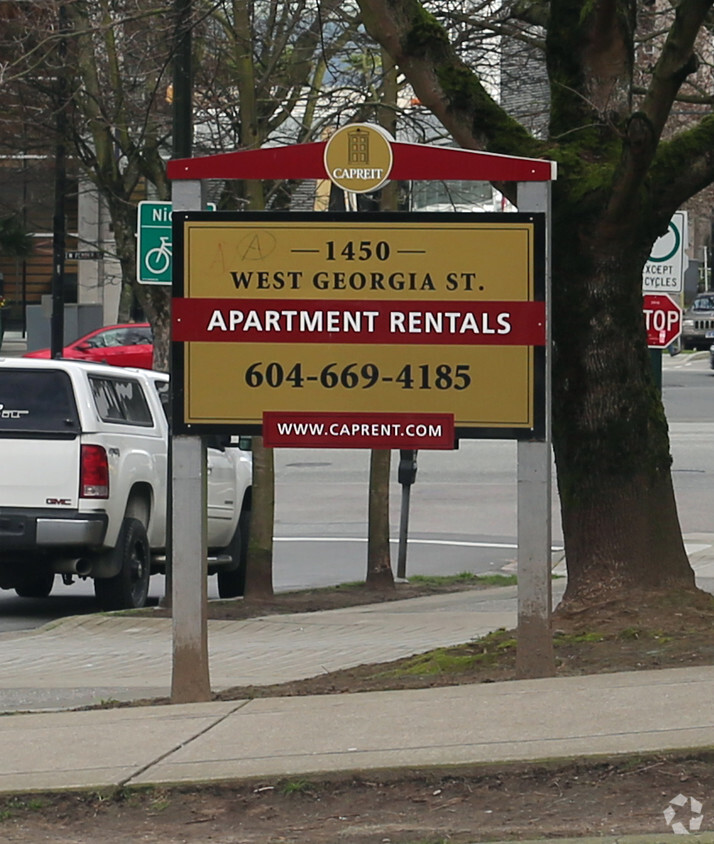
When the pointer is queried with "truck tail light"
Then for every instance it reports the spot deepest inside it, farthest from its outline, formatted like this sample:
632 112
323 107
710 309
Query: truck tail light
94 472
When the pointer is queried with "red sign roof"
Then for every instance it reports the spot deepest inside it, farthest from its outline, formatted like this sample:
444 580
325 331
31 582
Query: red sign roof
411 161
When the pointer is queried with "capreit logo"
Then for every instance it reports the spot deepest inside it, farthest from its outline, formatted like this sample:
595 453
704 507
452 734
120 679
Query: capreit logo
358 157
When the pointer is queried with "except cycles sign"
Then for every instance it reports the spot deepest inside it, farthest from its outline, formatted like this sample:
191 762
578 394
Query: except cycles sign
665 267
366 330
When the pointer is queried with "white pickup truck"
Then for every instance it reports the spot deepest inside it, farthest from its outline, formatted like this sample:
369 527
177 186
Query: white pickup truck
83 482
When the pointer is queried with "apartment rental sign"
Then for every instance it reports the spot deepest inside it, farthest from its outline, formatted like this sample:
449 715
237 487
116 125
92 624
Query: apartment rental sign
359 330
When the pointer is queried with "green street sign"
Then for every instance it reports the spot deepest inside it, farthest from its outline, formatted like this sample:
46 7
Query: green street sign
153 247
154 256
665 267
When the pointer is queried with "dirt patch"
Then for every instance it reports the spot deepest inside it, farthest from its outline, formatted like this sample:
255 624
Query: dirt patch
511 802
338 597
649 631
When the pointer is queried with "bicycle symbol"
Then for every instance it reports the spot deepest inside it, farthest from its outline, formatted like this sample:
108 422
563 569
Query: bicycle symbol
158 259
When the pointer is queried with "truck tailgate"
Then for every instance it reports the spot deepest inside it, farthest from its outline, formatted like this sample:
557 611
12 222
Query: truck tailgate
39 439
39 472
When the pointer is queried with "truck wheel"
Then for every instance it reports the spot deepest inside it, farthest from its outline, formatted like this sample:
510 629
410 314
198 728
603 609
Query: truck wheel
128 589
231 582
38 586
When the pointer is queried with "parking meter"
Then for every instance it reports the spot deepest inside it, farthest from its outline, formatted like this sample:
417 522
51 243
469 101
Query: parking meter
406 474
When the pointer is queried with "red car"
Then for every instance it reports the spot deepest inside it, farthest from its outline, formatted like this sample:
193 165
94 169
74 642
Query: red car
130 344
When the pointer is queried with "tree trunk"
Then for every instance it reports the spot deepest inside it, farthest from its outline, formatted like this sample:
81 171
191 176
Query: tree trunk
610 433
259 571
154 299
623 533
259 567
379 568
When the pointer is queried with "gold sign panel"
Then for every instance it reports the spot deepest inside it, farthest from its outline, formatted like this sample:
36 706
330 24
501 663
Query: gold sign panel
357 314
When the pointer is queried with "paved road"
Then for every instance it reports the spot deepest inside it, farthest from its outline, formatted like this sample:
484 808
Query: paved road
463 513
687 386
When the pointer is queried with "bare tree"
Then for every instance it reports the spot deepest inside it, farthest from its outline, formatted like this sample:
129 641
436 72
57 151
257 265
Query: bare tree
379 565
121 126
261 79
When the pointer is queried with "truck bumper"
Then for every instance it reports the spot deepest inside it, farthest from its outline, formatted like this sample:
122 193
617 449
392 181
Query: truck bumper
32 529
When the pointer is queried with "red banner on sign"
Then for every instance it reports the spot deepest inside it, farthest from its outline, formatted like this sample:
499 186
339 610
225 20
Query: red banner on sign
383 322
358 430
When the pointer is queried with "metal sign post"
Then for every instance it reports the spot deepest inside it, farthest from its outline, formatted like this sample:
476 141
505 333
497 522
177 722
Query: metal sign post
190 681
534 654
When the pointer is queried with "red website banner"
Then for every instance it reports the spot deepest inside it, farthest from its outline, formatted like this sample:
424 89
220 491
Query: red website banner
358 430
460 323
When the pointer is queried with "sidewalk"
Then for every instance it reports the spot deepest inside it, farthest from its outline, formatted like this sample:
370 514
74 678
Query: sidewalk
211 742
84 658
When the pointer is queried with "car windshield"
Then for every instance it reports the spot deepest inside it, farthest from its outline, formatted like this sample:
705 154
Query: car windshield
133 335
37 401
703 303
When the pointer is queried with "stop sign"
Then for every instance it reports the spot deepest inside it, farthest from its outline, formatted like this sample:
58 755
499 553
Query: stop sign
663 320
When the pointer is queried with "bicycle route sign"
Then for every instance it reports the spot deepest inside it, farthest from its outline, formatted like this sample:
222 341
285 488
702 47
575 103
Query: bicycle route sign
154 247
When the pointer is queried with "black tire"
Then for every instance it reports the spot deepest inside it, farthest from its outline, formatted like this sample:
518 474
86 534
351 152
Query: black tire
129 589
231 581
37 586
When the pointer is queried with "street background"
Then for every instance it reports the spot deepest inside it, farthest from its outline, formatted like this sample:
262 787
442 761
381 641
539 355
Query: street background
462 513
